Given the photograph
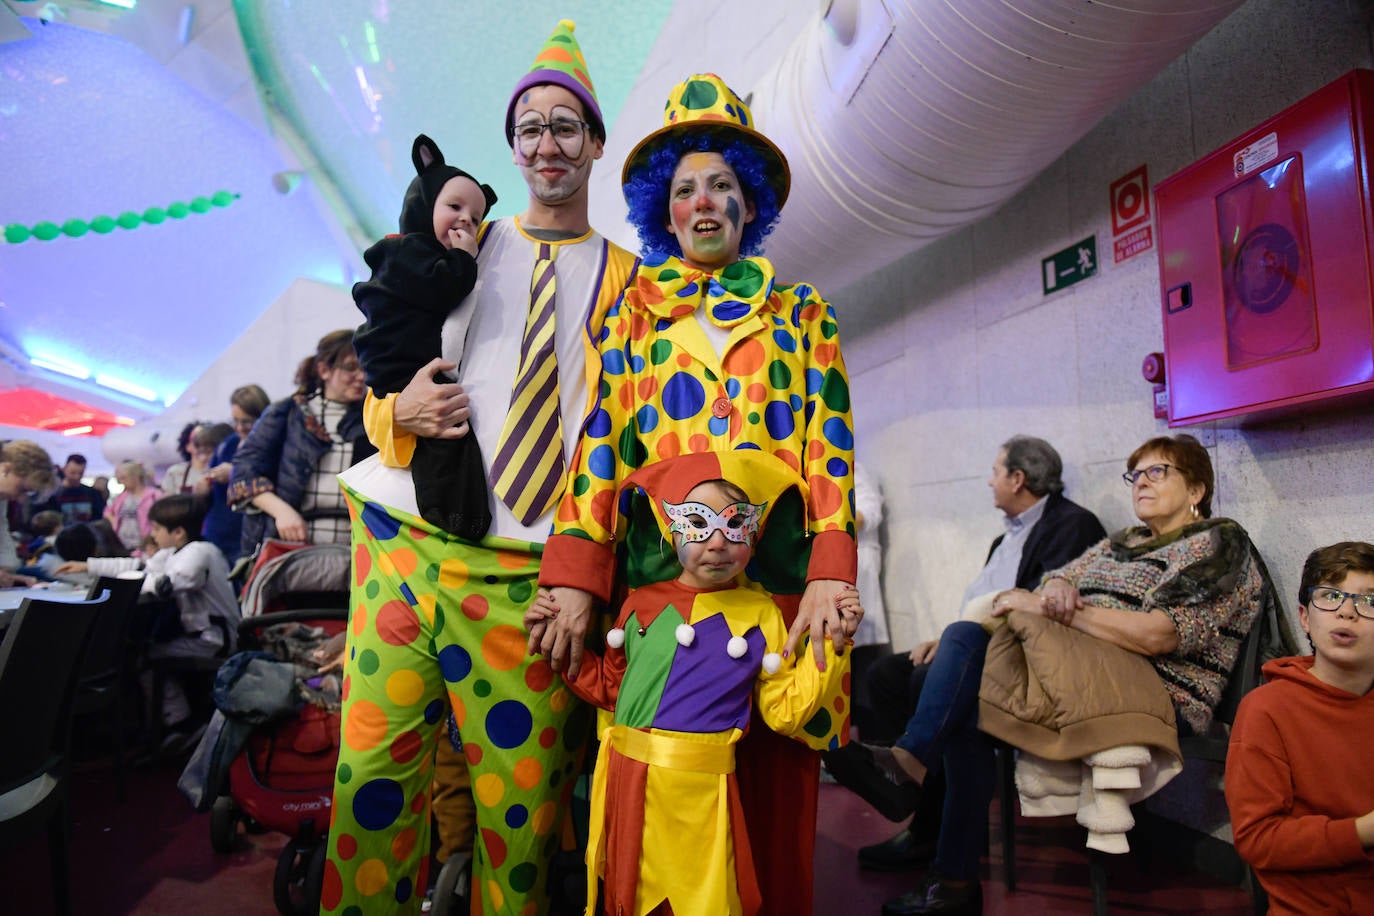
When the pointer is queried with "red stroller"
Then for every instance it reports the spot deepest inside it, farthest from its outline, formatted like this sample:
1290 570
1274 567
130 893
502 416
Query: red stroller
283 778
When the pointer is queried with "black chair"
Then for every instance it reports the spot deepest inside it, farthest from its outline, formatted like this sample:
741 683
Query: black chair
105 671
1245 677
39 667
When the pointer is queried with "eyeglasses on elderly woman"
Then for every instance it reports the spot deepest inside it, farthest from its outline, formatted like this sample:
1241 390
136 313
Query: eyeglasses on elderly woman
1154 473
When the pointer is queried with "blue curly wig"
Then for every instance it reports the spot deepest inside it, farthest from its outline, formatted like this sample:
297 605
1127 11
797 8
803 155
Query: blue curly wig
647 193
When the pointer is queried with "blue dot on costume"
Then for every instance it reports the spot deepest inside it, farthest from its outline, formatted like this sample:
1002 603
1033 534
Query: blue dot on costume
796 401
785 341
688 291
403 890
729 311
744 446
434 711
378 803
613 362
509 724
814 378
379 522
516 816
732 387
655 258
778 419
663 324
636 363
407 594
601 462
837 467
599 426
647 418
455 663
714 289
683 396
718 426
837 433
803 292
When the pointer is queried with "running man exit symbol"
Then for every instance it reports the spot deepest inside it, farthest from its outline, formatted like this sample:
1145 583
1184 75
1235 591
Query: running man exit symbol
1065 268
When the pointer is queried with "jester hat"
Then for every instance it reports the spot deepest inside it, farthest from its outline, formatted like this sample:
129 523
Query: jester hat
560 63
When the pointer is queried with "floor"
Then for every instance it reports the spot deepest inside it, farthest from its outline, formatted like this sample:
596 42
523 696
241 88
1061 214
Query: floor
151 855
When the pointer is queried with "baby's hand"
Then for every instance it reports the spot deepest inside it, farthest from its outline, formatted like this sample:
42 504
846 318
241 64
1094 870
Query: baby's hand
463 240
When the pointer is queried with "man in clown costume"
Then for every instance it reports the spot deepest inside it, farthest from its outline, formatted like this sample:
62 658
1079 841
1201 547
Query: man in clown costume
437 622
708 351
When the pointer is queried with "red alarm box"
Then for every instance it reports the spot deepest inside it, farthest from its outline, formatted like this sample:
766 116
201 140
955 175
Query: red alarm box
1265 255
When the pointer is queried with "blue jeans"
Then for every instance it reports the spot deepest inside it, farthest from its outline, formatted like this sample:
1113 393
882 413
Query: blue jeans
943 732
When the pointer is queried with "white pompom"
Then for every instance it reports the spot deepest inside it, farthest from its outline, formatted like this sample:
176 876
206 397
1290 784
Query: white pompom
615 638
737 647
686 635
772 662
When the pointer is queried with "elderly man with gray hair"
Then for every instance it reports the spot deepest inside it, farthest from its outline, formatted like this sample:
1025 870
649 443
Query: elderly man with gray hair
1044 530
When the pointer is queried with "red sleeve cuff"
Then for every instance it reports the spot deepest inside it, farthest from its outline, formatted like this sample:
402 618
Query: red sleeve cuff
834 555
573 562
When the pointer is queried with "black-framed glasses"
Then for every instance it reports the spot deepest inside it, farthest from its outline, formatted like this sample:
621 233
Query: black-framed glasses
567 133
1326 598
1154 473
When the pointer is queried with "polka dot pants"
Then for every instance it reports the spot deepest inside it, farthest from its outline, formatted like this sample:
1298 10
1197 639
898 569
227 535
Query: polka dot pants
436 622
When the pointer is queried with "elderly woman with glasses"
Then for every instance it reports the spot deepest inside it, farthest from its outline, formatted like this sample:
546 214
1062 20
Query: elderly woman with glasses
1181 589
286 471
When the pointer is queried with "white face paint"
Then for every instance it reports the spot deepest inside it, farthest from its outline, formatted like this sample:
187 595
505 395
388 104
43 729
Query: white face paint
707 210
553 176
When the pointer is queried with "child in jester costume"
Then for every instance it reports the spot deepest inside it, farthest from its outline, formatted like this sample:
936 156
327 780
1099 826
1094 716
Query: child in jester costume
687 659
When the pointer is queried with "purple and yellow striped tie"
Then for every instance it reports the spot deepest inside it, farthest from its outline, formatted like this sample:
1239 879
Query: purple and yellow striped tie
528 469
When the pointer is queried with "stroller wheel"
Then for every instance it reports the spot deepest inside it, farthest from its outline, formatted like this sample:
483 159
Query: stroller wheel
453 886
224 817
299 879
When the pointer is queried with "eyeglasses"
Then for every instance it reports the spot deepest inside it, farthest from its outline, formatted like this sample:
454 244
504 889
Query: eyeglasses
351 365
1154 473
1325 598
567 133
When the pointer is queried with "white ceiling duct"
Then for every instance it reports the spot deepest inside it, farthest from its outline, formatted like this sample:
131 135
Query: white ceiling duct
905 120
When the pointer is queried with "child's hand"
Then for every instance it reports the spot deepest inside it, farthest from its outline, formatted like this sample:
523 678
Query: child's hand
537 617
463 240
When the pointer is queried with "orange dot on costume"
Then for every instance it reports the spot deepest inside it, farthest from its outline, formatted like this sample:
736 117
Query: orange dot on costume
418 534
559 700
512 559
370 878
554 54
475 607
684 359
745 359
331 891
790 457
362 563
548 737
504 647
648 387
538 676
397 624
567 508
529 909
358 619
495 846
602 504
699 443
639 325
406 746
365 726
839 704
826 497
405 561
815 449
345 688
544 818
473 752
453 573
347 846
403 845
528 773
825 354
811 311
489 789
668 446
420 801
460 713
757 392
625 394
405 687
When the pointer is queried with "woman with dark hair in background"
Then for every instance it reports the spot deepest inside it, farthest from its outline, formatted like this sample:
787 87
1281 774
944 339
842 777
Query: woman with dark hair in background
285 475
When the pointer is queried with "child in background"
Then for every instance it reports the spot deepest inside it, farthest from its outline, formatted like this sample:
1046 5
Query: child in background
1299 779
40 555
201 615
685 664
418 279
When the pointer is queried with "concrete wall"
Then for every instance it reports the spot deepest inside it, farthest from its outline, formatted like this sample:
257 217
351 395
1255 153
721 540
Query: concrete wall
954 348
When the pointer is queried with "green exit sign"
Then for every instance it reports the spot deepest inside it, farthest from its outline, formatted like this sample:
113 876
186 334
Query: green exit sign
1065 268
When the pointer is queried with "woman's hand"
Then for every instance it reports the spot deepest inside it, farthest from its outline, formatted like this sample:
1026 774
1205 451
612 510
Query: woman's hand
221 473
69 567
820 615
924 652
13 580
431 410
1060 600
563 636
290 525
1016 599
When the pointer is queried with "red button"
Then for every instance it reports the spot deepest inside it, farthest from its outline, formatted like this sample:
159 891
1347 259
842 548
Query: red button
721 408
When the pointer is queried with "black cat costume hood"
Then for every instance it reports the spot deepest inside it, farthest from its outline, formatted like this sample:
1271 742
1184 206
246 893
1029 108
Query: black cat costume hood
432 173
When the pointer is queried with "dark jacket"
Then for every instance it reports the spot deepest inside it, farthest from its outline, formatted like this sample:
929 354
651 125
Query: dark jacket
281 454
1064 531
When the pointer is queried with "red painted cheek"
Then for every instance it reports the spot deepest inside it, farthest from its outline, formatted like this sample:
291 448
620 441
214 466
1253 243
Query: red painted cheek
681 211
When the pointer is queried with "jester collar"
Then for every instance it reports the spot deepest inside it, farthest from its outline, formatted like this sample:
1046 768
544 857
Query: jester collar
669 288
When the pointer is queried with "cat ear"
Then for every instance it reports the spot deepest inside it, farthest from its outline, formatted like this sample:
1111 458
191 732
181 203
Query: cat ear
425 153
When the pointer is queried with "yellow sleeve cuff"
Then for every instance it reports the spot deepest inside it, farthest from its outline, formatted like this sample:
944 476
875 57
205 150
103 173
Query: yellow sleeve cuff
394 445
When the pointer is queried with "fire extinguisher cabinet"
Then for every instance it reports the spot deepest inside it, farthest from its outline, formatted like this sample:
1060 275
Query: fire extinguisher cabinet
1265 254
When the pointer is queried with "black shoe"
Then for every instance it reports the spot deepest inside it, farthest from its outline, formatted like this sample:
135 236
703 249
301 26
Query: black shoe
856 767
935 896
897 853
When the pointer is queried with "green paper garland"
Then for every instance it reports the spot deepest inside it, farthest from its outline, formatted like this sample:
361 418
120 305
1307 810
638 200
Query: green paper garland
46 231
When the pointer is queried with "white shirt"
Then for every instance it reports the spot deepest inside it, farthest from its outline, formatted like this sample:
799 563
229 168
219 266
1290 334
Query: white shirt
999 573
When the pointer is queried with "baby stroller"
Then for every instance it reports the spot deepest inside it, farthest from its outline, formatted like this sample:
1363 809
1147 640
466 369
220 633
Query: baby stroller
281 777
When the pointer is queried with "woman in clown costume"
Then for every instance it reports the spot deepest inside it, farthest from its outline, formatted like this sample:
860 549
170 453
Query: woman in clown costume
706 351
686 661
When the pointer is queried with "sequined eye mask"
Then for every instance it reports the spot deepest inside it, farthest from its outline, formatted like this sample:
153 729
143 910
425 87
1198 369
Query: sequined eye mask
739 522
